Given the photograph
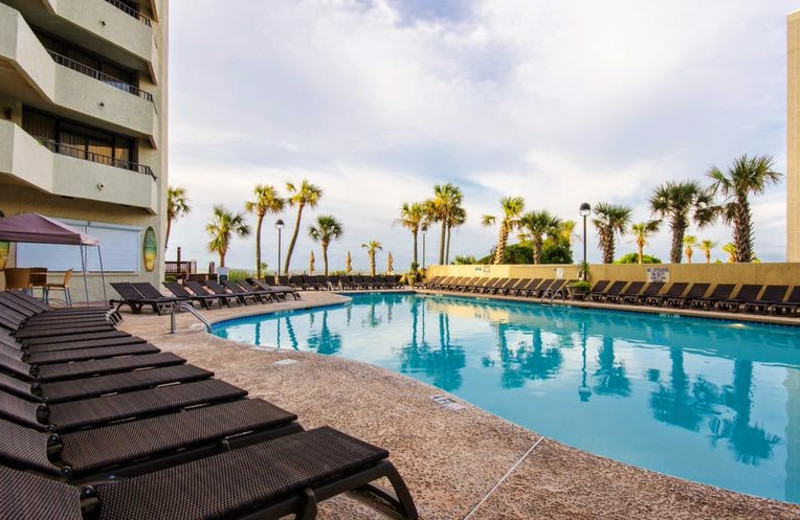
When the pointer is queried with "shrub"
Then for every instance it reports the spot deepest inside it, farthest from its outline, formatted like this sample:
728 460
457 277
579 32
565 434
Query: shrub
633 258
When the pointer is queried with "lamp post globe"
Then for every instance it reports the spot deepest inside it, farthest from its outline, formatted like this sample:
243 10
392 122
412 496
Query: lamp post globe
585 211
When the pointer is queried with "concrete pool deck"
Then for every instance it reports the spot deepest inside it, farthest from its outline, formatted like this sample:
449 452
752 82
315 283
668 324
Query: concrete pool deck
451 460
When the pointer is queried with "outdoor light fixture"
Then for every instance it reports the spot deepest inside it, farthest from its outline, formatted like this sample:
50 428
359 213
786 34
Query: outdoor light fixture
424 230
585 211
279 225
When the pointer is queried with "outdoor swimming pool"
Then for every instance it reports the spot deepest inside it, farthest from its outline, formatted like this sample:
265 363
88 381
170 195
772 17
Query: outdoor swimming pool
712 401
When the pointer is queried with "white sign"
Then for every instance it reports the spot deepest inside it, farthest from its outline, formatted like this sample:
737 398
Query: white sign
657 274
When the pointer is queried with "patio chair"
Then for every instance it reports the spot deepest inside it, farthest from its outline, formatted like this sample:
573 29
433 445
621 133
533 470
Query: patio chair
720 293
614 290
790 305
534 291
772 294
238 289
136 300
179 291
479 285
217 289
558 288
697 290
631 290
63 287
266 295
652 289
505 285
675 290
84 369
747 293
97 411
278 290
597 289
201 290
285 476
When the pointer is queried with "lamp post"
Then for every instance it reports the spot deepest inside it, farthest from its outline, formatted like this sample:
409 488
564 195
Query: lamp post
424 230
585 210
279 226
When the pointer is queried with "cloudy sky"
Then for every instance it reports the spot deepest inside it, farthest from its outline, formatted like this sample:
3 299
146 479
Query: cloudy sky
560 101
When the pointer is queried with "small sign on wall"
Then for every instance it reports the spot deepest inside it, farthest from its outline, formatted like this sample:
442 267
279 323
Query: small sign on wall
559 273
657 274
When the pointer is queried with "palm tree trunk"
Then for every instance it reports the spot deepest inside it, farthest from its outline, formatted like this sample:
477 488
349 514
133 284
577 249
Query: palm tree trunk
447 247
708 257
415 247
689 254
372 263
640 246
676 251
742 232
441 241
325 257
537 250
222 258
259 222
166 238
502 239
292 242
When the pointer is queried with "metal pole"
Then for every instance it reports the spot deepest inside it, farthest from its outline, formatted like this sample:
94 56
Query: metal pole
278 264
584 248
423 250
85 281
102 274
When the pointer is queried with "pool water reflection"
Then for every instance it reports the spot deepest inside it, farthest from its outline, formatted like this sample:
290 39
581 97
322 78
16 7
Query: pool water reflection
712 401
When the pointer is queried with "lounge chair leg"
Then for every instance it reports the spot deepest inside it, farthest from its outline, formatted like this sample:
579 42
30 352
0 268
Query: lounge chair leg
400 500
308 509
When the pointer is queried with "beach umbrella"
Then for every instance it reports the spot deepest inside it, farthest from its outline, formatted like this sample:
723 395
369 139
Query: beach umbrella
311 262
348 263
389 262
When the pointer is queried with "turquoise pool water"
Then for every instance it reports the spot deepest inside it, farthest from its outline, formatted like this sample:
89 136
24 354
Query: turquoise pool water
716 402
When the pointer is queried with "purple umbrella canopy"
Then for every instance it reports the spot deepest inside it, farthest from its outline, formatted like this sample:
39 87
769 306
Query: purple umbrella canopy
38 229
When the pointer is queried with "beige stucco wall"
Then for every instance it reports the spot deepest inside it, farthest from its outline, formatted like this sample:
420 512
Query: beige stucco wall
64 187
765 273
793 139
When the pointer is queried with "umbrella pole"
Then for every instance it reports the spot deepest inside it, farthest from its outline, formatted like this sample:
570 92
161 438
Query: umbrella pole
102 273
85 281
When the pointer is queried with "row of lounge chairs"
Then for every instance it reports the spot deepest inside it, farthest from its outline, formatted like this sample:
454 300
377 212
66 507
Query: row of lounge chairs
341 283
752 298
142 294
97 423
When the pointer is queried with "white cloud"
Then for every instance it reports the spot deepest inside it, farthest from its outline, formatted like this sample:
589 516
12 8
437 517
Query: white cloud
563 102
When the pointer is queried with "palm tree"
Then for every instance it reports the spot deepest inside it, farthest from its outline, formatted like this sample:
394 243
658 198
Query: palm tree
326 229
642 231
512 209
267 201
223 226
306 194
730 249
706 246
689 241
681 202
611 220
458 217
412 217
372 247
177 206
446 198
746 176
537 225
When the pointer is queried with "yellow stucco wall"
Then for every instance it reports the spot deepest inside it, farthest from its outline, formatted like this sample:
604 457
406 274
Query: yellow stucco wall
793 139
765 273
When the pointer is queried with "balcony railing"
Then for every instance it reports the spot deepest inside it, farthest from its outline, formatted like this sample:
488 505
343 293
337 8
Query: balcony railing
131 11
99 76
82 153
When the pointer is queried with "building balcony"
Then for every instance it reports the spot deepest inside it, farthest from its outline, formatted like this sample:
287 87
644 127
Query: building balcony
50 81
68 171
107 27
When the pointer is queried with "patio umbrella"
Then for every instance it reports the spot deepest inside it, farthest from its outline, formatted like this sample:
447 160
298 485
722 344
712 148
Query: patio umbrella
348 263
311 262
389 262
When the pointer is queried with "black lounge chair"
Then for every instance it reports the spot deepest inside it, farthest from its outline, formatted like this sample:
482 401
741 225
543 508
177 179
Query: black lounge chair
285 476
772 294
85 354
199 289
536 291
205 300
615 289
238 290
97 411
279 290
217 288
675 290
597 289
264 295
505 286
524 286
631 290
747 293
721 292
652 289
511 288
63 339
558 288
134 447
135 300
83 369
697 290
489 285
790 306
22 305
38 305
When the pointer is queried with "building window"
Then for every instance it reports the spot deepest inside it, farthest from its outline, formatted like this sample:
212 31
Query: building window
120 247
